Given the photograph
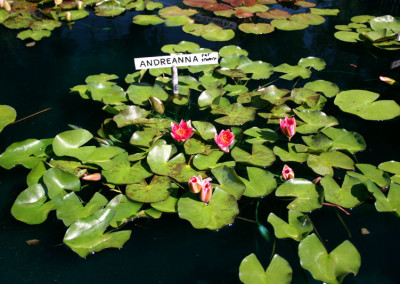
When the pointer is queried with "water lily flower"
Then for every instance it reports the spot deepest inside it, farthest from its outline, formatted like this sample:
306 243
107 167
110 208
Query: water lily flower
224 139
195 184
92 177
181 132
4 4
287 172
206 191
288 126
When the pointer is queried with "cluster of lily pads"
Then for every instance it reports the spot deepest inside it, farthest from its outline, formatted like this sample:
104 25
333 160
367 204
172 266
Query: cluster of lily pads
253 16
241 145
382 32
39 18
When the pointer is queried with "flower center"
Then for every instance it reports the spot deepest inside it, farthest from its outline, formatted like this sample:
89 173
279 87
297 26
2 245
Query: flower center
225 137
181 131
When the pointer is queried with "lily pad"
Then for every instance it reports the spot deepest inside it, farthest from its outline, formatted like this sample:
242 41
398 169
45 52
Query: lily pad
206 130
235 114
57 181
362 19
258 69
213 32
87 235
260 182
345 140
219 212
296 153
297 228
131 115
123 173
232 49
31 206
33 34
325 12
363 104
158 190
288 25
204 162
329 89
258 28
322 164
332 267
347 36
168 205
260 156
176 11
391 203
125 208
229 181
75 15
140 93
308 18
274 14
376 175
278 271
314 62
69 143
315 121
145 20
7 116
109 9
45 25
292 72
307 196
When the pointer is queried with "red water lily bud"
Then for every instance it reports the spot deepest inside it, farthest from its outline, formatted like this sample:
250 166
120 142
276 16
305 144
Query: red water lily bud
92 177
287 172
224 139
288 126
206 191
195 184
181 132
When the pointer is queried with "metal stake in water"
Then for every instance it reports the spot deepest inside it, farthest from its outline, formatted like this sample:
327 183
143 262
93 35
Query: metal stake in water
175 86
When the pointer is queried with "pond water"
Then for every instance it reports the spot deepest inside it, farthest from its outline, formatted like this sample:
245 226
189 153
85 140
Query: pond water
169 250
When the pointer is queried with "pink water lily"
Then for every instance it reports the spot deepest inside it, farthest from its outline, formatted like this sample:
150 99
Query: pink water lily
287 172
288 126
199 185
195 184
224 139
181 132
206 191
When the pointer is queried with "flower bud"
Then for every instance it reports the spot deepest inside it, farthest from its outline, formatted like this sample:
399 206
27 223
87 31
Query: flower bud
206 191
68 16
80 5
195 184
387 80
287 172
92 177
288 126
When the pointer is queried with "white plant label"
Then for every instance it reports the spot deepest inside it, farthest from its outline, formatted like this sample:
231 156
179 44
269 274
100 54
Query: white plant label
176 60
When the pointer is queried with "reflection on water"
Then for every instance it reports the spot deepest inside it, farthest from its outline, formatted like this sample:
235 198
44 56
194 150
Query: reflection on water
169 250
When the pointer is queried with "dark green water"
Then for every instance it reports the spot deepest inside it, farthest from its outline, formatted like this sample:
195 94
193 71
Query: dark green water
170 250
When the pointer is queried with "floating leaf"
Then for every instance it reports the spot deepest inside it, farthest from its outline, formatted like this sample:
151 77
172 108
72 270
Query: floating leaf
158 190
260 182
7 116
315 121
125 209
278 271
194 146
274 14
325 12
109 9
363 104
219 212
34 34
347 36
297 228
377 176
140 93
205 129
260 135
57 181
123 173
22 153
236 114
260 156
75 14
391 203
229 181
329 89
168 205
314 62
258 69
145 20
345 140
329 268
232 49
351 193
176 11
87 235
31 206
307 196
308 18
131 115
203 162
213 32
258 28
288 25
296 153
69 143
323 163
362 19
292 72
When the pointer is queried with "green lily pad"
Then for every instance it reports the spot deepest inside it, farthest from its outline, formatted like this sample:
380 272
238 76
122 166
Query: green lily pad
31 206
305 96
36 174
363 104
7 116
131 115
109 9
33 34
260 135
260 156
362 19
139 93
343 28
69 144
273 94
258 69
18 22
177 21
308 18
176 11
325 12
297 228
213 32
143 138
296 153
194 29
22 153
387 22
168 205
307 196
123 173
345 140
390 167
274 14
194 146
292 72
210 96
232 49
235 114
75 14
278 271
219 212
323 163
229 181
87 235
332 267
125 208
318 143
158 190
391 203
314 121
145 20
376 175
204 162
57 181
329 89
101 78
235 90
314 62
260 182
206 130
288 25
45 25
258 28
352 192
347 36
70 208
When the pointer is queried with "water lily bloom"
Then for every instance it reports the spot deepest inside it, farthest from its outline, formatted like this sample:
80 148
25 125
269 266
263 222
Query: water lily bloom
181 132
224 139
288 126
287 172
92 177
206 191
195 184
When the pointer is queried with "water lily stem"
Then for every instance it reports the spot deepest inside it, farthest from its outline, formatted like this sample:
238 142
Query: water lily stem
177 183
273 250
245 219
337 206
343 223
26 117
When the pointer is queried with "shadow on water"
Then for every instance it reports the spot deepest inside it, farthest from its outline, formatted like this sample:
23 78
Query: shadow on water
170 250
